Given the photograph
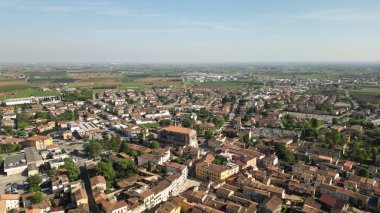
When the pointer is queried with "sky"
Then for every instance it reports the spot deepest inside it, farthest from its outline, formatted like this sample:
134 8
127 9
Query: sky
189 31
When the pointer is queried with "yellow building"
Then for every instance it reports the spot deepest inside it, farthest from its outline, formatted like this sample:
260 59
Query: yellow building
213 172
40 142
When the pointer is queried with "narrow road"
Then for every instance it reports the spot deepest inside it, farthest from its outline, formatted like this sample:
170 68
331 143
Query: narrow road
230 118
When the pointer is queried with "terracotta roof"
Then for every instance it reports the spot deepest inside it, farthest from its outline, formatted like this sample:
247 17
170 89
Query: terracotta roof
311 203
146 194
167 207
175 165
97 179
272 203
111 206
81 194
32 210
178 129
325 198
348 164
9 196
38 137
2 205
52 146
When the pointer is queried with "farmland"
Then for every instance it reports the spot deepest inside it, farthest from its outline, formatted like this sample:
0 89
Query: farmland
27 93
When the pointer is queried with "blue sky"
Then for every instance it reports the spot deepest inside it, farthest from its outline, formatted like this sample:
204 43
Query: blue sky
189 30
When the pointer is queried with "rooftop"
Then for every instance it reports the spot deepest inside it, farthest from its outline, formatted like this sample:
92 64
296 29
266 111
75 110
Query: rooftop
178 129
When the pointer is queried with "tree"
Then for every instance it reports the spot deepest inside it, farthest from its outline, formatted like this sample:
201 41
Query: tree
133 153
218 123
246 139
125 168
38 197
34 183
186 122
114 143
315 123
164 122
124 147
72 169
335 121
93 149
105 169
155 144
309 133
284 154
364 173
209 134
217 161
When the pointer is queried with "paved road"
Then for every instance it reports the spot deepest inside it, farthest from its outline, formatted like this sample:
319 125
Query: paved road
230 118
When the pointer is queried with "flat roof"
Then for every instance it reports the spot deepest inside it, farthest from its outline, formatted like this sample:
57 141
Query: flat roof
32 155
14 160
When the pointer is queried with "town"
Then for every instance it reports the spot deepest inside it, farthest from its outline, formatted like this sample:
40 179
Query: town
197 141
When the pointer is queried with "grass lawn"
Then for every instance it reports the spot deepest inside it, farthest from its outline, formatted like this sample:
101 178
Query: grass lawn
27 93
150 125
367 90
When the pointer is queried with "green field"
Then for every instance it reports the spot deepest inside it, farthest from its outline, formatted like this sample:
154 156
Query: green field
314 91
366 88
27 93
223 84
12 88
129 85
375 91
152 125
313 76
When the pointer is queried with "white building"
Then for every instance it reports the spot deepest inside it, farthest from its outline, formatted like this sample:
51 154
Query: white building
9 201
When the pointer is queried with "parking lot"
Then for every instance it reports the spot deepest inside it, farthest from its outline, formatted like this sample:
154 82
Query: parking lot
5 180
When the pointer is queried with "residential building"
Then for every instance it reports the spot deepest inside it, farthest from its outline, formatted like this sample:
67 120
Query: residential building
271 205
98 183
39 141
9 202
210 171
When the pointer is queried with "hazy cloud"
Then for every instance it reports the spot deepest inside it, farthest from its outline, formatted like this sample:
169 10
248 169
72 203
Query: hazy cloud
341 15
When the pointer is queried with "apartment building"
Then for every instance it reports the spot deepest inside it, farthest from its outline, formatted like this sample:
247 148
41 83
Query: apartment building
39 141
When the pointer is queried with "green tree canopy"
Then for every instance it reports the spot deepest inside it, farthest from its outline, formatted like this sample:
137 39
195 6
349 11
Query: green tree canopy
155 144
364 173
34 183
217 161
72 169
186 122
284 154
209 134
105 169
38 197
125 168
93 149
